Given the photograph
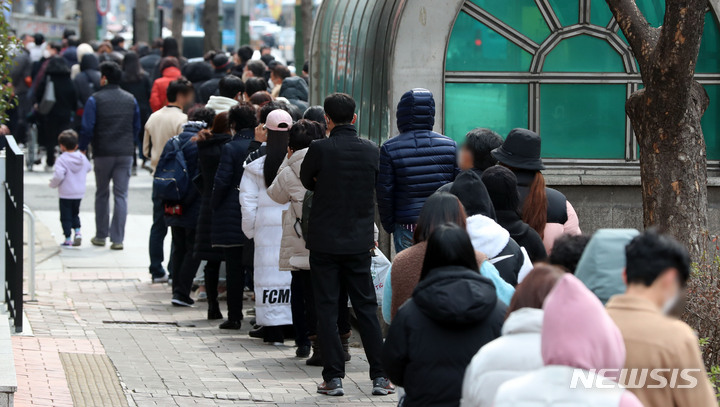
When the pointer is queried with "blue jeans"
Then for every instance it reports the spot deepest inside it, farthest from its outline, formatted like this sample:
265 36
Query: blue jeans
158 231
402 238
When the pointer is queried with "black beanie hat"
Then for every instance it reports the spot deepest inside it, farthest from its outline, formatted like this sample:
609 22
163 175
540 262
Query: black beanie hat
471 192
501 184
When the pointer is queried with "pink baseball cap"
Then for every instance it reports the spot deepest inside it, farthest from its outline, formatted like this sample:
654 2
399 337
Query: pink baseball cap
279 120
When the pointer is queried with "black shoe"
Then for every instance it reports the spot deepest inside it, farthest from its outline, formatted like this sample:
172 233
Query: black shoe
229 324
253 321
214 311
182 301
303 351
382 387
331 388
257 333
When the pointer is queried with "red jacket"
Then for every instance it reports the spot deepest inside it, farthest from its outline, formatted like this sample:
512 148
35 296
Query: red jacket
158 96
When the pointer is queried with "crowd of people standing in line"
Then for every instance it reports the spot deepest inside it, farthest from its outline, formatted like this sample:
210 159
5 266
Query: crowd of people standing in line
494 298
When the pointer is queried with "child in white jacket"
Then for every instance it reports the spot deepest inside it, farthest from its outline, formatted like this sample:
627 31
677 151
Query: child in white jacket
70 176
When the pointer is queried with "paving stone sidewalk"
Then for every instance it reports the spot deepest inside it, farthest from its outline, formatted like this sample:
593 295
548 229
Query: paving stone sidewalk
94 301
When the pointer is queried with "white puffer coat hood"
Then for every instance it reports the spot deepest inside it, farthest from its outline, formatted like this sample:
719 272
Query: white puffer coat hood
512 355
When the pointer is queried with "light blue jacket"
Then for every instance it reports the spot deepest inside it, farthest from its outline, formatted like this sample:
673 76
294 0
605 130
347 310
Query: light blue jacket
504 290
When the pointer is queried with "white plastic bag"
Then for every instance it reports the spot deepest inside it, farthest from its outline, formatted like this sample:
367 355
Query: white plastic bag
379 269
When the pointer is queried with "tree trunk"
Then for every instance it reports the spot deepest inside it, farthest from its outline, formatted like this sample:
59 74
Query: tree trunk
142 13
88 20
210 25
665 117
307 22
178 8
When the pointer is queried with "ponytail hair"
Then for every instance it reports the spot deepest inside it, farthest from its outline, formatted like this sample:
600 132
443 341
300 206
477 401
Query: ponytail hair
534 211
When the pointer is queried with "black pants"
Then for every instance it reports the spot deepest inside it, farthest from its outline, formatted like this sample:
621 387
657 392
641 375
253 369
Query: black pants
212 278
299 305
235 281
329 273
69 215
311 321
184 263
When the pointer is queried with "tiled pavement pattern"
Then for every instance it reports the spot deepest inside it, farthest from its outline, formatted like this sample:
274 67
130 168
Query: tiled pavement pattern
96 301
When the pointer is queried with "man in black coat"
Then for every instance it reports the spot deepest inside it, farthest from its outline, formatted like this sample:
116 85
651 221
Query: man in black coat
342 170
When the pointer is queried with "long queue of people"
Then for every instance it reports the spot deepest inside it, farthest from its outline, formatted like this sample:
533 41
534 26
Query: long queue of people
494 297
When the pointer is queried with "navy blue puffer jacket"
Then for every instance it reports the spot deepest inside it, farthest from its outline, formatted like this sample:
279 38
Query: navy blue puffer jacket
227 216
191 201
414 164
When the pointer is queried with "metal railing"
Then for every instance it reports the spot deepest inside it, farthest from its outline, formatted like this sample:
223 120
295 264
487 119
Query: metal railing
14 206
31 243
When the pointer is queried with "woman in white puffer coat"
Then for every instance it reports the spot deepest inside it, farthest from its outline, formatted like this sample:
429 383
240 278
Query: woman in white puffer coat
262 221
517 351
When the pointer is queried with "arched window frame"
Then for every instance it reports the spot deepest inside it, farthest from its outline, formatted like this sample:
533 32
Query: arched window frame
539 51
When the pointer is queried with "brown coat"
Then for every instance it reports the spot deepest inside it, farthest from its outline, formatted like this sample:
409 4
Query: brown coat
653 340
406 270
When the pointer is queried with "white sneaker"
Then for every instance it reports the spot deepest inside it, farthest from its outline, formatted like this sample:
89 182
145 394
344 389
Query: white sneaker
160 280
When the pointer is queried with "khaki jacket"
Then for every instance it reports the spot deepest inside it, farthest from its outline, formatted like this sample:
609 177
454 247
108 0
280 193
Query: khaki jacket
288 188
653 340
162 125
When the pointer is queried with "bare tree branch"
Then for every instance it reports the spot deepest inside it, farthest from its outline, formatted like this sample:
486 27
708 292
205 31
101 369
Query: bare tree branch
677 47
640 35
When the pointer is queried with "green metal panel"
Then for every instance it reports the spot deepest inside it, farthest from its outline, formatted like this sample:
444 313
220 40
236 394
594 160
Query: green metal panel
351 44
709 57
522 15
583 54
600 13
567 11
711 131
583 121
475 47
500 107
654 11
576 120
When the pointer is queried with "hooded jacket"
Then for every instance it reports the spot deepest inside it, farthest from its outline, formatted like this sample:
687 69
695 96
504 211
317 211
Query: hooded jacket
287 188
82 50
407 267
70 175
486 235
414 164
262 221
453 312
191 201
581 336
87 81
220 104
227 215
512 355
561 216
295 90
158 94
198 73
602 263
